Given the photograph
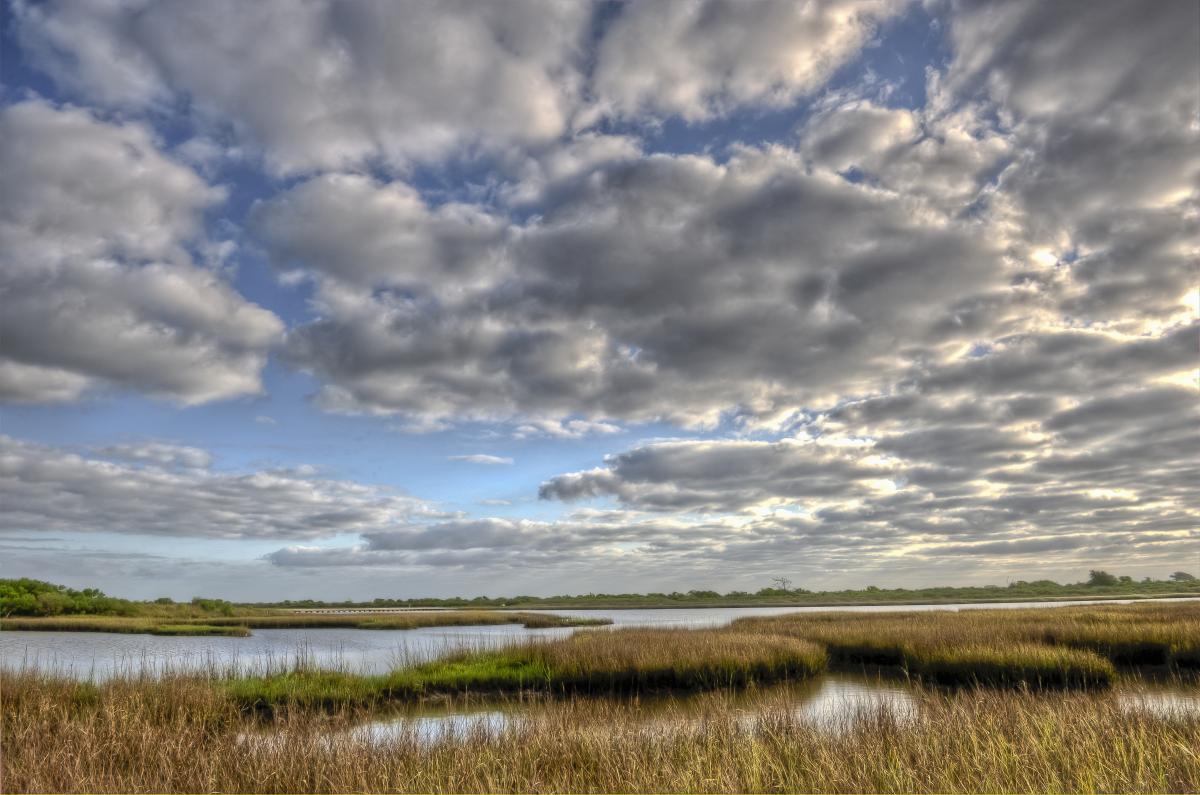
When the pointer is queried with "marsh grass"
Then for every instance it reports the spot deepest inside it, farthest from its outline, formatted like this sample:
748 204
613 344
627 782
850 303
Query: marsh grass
1039 725
1063 647
413 620
181 734
123 625
240 625
1149 644
618 661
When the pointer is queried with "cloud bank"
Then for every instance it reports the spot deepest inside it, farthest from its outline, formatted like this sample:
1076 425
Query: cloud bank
879 318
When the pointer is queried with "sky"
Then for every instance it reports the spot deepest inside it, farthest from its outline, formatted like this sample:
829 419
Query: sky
361 299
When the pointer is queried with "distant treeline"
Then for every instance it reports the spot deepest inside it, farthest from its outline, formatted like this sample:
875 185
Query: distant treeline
27 597
1099 584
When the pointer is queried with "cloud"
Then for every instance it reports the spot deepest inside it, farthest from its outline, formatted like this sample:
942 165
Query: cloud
701 59
665 287
565 429
979 468
98 287
922 336
361 232
340 84
1054 60
160 453
624 549
1107 150
172 491
720 476
944 157
480 458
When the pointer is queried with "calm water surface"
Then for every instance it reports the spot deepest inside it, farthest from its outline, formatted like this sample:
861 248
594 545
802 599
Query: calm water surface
99 654
831 702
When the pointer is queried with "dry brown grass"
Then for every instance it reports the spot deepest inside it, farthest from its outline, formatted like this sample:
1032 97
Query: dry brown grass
1143 635
181 735
620 661
191 733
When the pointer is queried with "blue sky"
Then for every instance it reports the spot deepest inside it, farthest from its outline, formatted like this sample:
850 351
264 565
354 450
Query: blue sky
460 297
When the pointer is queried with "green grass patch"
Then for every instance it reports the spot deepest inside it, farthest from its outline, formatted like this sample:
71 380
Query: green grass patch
1026 665
626 661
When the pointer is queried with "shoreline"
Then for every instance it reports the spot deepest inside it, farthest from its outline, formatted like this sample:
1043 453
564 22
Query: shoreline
554 615
879 603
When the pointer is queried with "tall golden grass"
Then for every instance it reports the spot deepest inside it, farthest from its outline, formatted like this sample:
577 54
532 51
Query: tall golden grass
1140 635
181 734
194 732
619 661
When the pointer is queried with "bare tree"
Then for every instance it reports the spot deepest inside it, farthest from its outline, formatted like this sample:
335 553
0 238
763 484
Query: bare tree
782 583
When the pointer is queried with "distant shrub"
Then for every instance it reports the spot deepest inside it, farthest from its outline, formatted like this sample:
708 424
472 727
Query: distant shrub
219 606
1099 577
28 597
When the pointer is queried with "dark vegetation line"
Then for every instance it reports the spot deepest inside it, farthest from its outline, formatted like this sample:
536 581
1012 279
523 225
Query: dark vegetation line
28 597
1099 585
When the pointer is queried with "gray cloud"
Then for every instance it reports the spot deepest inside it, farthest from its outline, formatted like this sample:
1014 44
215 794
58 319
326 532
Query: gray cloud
160 453
348 84
1074 58
700 59
721 476
663 287
340 84
364 233
97 285
964 326
45 489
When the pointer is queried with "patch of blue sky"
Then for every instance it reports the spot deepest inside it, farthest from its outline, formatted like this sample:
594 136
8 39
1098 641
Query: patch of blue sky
890 70
353 447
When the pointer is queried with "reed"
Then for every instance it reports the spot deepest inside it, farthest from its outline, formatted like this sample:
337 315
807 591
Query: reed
1018 665
619 661
181 734
1006 646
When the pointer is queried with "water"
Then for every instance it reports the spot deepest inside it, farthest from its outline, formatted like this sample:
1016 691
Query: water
718 616
99 655
1164 702
828 702
831 702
